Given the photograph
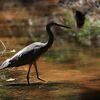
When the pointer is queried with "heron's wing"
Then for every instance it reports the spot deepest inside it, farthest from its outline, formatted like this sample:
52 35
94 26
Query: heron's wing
27 50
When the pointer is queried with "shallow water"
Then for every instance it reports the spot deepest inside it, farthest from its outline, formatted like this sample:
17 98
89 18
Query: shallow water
37 91
16 88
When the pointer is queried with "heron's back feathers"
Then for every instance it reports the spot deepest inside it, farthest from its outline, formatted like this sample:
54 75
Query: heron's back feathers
29 48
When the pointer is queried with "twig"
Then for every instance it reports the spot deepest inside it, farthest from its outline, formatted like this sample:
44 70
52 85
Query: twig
4 48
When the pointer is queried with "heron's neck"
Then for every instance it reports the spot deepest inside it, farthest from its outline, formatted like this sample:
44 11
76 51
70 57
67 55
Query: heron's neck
50 36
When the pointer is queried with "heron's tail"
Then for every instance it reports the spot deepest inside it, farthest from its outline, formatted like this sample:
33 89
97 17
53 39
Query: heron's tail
4 64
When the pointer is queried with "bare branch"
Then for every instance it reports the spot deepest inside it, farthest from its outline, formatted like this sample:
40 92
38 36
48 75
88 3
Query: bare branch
4 48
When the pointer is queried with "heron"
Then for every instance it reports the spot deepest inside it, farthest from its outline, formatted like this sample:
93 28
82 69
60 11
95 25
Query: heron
30 54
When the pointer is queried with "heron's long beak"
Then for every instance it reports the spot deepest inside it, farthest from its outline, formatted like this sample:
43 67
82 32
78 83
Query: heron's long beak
63 26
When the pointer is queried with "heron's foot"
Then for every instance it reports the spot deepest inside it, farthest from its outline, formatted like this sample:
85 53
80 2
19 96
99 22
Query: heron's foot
40 79
28 82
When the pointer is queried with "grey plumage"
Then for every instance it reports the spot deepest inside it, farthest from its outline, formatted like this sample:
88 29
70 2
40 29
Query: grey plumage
31 53
23 57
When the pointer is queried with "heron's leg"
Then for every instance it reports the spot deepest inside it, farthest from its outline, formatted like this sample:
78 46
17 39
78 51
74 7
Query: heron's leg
37 72
28 73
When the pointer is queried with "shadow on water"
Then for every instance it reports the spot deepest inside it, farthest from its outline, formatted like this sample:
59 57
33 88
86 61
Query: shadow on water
47 91
37 91
46 85
90 95
86 95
